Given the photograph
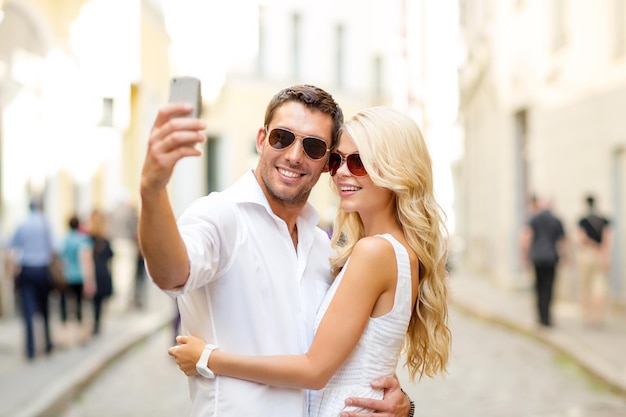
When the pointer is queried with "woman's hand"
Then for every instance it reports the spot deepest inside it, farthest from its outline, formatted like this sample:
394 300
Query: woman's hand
187 353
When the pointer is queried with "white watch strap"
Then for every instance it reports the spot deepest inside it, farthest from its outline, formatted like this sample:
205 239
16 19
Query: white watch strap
202 364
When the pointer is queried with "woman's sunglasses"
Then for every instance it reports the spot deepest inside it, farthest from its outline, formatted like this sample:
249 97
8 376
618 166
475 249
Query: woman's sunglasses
353 161
280 138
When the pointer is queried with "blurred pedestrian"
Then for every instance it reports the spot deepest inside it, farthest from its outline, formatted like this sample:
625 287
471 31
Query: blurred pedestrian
102 255
123 235
77 254
594 262
139 296
543 244
32 245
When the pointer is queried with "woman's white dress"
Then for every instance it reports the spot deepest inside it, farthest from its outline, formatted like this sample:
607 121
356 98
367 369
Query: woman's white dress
376 353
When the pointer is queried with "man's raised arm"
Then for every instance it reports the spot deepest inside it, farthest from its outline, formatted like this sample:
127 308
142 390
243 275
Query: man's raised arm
171 139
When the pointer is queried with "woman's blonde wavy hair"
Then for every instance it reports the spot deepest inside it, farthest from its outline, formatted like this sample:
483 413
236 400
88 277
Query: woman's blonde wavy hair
396 157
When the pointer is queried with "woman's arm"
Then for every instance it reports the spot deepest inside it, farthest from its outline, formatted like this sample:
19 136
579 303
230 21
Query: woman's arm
88 270
370 273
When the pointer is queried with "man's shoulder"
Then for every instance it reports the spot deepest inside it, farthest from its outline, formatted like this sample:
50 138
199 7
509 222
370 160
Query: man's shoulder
593 218
545 219
599 218
540 217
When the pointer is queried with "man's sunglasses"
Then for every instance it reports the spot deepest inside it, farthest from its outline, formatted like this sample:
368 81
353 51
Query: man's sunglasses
280 138
353 161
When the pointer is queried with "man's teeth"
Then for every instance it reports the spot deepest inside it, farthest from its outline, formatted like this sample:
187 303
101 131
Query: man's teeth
289 173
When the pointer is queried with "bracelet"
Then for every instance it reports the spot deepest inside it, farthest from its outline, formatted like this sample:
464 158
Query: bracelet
202 366
411 404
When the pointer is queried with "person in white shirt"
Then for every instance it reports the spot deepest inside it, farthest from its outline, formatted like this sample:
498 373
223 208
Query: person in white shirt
248 265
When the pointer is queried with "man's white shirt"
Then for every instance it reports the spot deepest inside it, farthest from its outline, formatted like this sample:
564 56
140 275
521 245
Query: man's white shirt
250 292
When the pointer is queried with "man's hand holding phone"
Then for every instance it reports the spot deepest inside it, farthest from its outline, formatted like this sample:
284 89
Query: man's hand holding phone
174 135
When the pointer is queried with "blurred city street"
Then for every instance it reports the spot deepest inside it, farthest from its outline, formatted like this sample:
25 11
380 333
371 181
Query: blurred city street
520 102
502 365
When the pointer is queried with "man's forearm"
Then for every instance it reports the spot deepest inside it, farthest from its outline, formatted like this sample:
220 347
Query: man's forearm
160 242
395 402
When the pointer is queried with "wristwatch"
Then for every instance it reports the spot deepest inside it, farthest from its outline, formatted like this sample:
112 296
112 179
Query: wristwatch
411 404
202 364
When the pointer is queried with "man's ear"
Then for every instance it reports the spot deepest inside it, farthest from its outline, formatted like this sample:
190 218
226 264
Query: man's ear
260 140
326 169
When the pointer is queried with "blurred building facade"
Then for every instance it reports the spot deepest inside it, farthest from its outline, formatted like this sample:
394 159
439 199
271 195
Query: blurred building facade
378 57
542 100
81 81
79 84
88 93
296 42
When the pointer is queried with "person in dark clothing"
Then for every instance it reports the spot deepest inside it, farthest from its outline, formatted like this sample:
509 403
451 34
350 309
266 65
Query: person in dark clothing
139 295
594 261
543 244
102 255
32 246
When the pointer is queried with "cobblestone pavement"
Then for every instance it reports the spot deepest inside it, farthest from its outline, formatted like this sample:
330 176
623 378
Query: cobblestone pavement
494 372
143 382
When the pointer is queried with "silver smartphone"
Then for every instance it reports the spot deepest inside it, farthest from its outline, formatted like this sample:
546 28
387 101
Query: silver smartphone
187 90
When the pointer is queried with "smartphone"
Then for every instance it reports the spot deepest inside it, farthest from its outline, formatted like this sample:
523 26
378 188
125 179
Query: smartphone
187 90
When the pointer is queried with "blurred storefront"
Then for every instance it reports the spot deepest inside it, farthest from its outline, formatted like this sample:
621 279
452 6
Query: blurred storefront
543 93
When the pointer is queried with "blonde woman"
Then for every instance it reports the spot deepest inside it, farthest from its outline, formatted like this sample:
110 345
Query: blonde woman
390 290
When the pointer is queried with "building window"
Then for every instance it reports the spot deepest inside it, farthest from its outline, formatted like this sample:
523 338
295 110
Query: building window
211 163
262 46
462 13
620 27
520 140
377 81
296 45
107 112
340 51
559 26
522 193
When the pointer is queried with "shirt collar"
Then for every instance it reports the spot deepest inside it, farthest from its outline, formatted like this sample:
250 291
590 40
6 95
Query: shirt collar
248 190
